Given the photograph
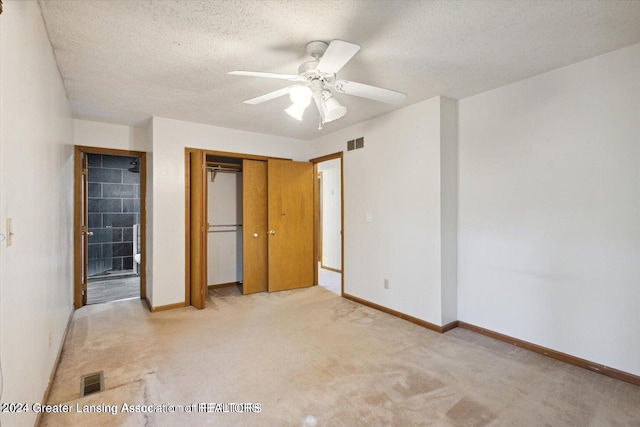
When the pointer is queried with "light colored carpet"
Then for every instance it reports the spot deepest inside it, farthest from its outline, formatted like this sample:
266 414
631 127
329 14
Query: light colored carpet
309 357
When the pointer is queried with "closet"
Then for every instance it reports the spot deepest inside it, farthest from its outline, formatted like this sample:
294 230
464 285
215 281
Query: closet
224 221
249 221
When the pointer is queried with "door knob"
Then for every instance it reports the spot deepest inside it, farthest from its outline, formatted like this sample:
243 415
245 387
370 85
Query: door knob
255 235
89 233
272 232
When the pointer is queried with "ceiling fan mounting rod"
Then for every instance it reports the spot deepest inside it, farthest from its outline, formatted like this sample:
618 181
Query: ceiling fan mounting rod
317 48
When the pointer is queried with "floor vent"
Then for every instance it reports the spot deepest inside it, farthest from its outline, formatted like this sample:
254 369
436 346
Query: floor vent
92 383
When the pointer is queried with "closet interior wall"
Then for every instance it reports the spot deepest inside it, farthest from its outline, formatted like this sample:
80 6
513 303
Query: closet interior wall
224 217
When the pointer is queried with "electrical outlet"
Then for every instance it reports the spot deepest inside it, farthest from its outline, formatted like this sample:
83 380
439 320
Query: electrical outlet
386 283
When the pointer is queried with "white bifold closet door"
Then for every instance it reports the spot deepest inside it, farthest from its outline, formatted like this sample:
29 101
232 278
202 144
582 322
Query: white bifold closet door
224 236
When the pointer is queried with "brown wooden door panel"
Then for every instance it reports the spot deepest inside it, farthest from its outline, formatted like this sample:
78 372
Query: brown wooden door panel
254 226
198 232
290 215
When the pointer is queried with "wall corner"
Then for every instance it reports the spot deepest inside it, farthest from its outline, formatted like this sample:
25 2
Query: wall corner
449 208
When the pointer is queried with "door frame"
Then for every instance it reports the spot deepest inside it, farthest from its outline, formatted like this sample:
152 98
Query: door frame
317 213
316 197
78 240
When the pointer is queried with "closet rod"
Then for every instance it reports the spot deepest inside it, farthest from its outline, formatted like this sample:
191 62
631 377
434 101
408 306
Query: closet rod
219 169
225 225
222 231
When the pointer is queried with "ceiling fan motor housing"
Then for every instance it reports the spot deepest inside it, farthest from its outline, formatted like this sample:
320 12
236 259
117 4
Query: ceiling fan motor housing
307 67
309 71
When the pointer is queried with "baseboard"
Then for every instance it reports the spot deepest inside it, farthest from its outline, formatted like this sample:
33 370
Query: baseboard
223 285
423 323
54 370
335 270
168 307
563 357
449 326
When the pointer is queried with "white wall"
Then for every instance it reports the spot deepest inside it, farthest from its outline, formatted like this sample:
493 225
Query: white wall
396 178
170 137
107 135
331 214
549 226
36 172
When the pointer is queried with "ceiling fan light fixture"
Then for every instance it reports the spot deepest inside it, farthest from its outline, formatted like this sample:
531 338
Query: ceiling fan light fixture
300 95
300 98
332 109
296 111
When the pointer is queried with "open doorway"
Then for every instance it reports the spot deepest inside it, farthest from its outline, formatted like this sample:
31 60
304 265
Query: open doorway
328 217
110 217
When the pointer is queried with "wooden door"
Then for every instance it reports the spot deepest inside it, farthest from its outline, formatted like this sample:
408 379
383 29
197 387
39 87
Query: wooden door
290 216
198 228
254 226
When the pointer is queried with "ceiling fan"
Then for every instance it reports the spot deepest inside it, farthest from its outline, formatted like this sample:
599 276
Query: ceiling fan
317 78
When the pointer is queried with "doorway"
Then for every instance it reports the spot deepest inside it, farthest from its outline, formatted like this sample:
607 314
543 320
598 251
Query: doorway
328 222
109 219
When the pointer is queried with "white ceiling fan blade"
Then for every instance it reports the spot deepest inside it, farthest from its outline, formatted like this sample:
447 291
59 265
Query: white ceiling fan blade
336 56
370 92
269 96
292 77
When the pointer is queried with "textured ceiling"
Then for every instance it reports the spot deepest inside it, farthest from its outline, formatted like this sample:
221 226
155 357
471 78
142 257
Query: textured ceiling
124 61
